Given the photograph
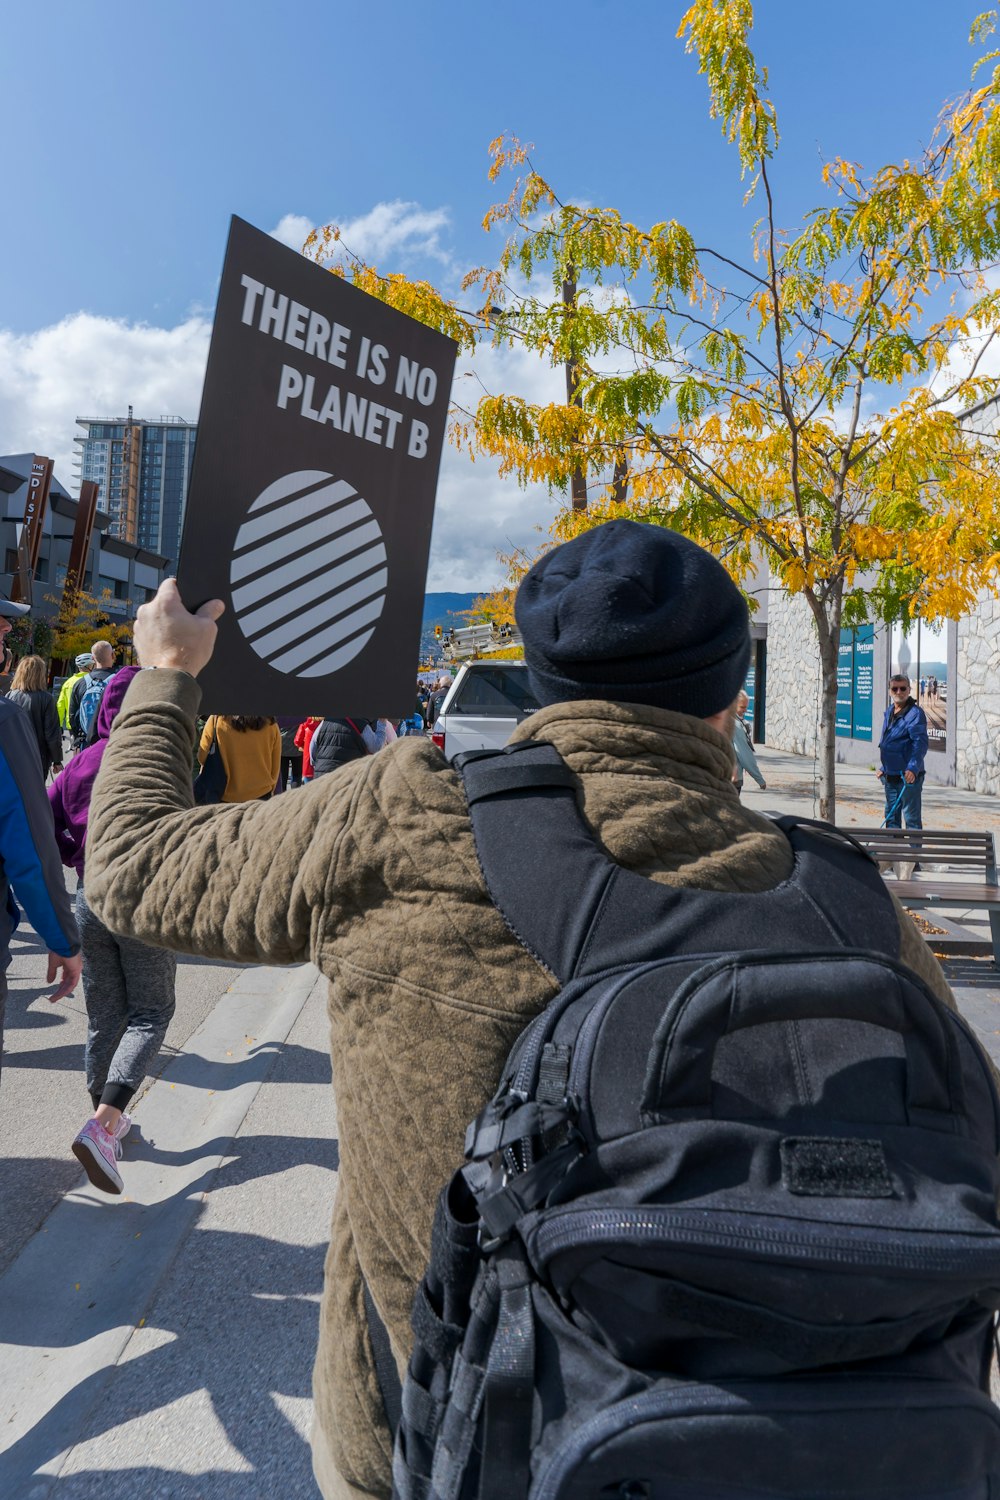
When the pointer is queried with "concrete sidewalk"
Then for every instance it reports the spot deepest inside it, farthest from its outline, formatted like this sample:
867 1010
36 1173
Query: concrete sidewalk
161 1344
793 786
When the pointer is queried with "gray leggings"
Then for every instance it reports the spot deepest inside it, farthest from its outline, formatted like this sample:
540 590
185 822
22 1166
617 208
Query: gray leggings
129 992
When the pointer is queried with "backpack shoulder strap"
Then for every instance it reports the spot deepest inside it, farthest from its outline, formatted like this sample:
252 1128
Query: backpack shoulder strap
841 880
576 911
543 868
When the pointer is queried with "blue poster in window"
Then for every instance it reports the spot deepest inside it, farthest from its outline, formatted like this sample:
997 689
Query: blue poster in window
845 681
750 686
864 655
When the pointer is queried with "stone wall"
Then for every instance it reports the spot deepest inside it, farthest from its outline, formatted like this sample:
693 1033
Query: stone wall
973 758
792 675
977 688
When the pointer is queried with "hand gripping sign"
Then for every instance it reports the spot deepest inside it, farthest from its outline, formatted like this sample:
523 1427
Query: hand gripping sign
312 494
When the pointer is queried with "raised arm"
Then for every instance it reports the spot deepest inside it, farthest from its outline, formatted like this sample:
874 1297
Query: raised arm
243 881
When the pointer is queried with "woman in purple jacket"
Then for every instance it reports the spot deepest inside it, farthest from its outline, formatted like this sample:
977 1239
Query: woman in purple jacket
129 988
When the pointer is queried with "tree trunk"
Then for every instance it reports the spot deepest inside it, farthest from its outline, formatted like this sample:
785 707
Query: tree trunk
578 480
619 486
826 616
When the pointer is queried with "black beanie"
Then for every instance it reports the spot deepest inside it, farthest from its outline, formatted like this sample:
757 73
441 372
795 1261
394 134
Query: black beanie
638 614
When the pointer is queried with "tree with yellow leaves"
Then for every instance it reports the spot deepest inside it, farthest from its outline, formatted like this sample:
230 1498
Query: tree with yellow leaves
819 403
83 619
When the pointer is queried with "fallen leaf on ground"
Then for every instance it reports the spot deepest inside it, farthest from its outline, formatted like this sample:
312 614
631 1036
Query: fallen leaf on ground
926 927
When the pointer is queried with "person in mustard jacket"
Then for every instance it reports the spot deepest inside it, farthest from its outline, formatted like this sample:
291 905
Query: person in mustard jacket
251 754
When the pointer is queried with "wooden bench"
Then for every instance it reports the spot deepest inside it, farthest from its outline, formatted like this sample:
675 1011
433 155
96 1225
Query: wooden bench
953 855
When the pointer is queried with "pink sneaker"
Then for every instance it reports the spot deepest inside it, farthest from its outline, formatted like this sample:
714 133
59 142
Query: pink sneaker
98 1153
123 1127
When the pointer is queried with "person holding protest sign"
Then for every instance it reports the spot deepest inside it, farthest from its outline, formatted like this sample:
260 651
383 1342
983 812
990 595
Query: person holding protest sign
422 966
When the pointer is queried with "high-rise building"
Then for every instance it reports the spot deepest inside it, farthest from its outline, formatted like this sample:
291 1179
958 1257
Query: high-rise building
142 469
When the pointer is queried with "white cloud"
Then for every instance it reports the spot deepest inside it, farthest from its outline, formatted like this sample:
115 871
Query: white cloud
404 230
94 367
478 514
98 367
982 351
293 230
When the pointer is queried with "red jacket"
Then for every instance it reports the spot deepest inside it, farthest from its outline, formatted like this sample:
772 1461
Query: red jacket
303 735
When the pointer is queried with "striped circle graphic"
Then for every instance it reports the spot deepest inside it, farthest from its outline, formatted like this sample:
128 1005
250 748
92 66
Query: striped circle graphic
308 574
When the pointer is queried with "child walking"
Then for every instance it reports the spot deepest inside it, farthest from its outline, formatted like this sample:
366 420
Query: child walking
129 988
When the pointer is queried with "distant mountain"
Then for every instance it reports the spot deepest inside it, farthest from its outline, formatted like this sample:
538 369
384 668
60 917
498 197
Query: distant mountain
442 609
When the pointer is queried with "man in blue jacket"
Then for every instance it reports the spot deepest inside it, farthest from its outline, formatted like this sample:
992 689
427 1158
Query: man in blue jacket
903 746
29 858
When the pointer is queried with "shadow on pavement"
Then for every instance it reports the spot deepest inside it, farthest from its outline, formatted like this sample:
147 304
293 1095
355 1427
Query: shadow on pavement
298 1065
19 1174
251 1336
36 1019
29 1188
243 1312
67 1059
250 1158
213 963
290 1481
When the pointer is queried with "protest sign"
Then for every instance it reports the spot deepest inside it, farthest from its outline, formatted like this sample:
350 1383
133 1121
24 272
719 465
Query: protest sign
312 492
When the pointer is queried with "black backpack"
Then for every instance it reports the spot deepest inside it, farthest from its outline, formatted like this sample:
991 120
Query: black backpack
728 1228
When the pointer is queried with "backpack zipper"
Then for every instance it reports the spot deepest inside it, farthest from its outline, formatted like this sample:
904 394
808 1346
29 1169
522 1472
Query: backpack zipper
721 1231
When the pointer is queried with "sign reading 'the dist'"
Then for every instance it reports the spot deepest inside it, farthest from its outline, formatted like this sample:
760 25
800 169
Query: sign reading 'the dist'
312 495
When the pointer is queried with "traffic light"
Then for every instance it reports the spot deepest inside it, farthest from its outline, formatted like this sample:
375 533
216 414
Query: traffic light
438 632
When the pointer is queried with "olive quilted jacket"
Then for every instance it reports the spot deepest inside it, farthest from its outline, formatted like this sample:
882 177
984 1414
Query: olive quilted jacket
371 873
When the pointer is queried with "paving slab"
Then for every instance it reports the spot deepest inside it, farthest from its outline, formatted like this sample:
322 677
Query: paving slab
84 1287
43 1094
213 1397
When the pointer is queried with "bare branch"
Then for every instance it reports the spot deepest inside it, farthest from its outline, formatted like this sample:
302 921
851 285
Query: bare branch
681 459
786 404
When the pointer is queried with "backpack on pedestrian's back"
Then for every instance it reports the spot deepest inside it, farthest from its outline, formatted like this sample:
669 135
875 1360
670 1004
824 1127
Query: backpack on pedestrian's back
289 749
90 704
727 1230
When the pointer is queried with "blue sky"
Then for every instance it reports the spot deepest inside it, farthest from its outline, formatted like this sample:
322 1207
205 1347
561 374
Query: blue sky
141 128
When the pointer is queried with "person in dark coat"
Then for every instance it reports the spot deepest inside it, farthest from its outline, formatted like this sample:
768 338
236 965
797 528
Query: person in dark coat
436 700
29 691
335 742
902 747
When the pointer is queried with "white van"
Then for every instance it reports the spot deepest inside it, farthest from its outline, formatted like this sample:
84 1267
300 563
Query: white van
487 701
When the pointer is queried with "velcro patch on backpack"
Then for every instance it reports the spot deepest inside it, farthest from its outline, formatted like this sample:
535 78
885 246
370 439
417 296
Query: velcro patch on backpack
828 1167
